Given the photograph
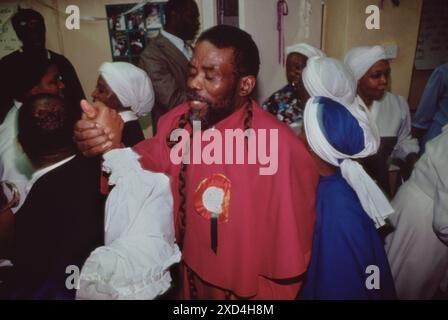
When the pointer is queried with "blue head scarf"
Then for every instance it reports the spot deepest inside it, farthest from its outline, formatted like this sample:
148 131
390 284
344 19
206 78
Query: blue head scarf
340 127
337 136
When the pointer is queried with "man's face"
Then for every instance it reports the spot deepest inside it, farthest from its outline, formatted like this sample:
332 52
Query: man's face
374 83
51 82
188 21
105 94
295 63
32 34
212 83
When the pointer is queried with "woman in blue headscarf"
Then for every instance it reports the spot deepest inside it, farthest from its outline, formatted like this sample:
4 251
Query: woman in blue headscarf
348 260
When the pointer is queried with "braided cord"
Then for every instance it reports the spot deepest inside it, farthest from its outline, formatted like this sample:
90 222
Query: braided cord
182 123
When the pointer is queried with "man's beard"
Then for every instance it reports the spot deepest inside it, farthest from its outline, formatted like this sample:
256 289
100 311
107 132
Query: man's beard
215 111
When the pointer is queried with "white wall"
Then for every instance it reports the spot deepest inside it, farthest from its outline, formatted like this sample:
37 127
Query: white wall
259 18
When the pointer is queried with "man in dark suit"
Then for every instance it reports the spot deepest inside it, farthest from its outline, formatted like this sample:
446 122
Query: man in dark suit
166 57
29 26
61 221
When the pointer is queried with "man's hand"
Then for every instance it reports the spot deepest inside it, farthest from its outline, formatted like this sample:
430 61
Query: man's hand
99 130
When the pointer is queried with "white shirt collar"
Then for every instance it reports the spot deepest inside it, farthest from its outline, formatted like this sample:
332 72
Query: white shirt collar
41 172
373 111
128 115
179 44
17 104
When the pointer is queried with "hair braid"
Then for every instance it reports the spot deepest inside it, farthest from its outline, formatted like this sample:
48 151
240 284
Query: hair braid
248 120
183 121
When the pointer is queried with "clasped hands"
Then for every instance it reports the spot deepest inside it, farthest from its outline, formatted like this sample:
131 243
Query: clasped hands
99 129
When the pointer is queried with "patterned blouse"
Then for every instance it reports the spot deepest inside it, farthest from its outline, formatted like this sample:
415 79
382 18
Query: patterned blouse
285 105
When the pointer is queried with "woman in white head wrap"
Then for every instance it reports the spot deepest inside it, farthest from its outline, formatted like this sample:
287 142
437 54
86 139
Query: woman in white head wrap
327 77
349 203
139 234
287 103
371 70
128 89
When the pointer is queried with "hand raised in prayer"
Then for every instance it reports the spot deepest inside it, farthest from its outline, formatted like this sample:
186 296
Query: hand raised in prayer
99 129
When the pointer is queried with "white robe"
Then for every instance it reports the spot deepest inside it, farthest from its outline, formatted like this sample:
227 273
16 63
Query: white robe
418 248
139 235
393 119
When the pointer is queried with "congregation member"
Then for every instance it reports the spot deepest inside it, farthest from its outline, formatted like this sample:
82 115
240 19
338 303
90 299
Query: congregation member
418 247
61 220
30 29
432 112
127 89
288 102
390 112
240 237
37 75
349 204
167 56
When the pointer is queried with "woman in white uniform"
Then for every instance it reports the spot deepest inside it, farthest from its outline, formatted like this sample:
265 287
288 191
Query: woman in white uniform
389 112
418 248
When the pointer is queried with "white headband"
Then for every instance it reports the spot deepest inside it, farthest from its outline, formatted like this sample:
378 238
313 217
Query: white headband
305 49
329 78
131 85
361 59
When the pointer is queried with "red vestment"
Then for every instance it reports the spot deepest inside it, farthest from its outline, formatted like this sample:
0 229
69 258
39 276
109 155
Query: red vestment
271 217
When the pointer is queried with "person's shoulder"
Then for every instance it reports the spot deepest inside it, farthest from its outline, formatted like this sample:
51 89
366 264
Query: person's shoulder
265 120
336 195
11 55
176 111
60 59
170 119
389 96
57 56
391 101
278 92
442 68
10 58
436 148
289 145
76 171
154 46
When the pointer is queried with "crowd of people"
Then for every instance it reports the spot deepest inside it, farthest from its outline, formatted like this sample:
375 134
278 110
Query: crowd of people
95 195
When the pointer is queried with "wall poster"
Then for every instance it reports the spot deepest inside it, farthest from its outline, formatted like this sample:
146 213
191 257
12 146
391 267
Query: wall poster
130 33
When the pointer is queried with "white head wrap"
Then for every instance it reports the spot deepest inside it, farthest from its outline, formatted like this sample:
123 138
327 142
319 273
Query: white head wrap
305 49
329 78
361 59
371 197
131 85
